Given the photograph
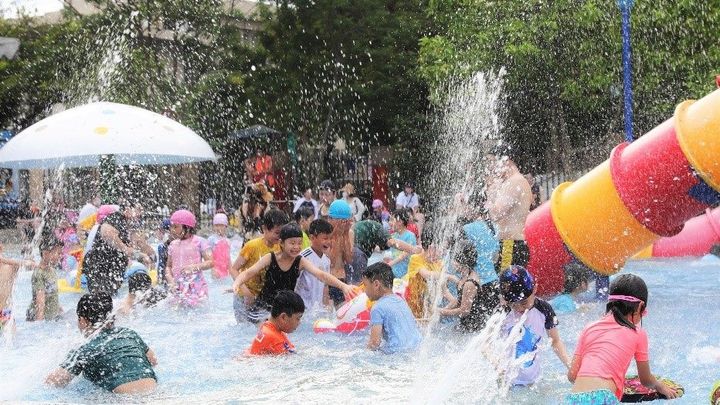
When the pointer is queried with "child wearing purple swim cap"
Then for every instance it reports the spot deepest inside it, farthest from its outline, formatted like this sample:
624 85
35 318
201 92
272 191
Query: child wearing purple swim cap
517 286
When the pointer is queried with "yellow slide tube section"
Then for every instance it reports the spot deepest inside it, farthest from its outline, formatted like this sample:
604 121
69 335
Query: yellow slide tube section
595 224
697 124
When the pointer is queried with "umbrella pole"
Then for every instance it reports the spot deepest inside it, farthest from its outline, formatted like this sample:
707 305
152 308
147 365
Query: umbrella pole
108 179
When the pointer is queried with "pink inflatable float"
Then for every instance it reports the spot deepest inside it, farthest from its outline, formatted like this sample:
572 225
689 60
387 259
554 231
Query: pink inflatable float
696 239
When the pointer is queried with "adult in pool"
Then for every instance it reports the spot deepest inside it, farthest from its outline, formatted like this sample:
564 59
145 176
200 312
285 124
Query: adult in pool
116 359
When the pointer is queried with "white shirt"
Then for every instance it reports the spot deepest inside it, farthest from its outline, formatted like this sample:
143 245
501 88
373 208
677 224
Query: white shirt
407 201
309 287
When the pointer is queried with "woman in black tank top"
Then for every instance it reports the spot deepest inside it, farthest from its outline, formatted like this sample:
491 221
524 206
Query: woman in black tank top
277 279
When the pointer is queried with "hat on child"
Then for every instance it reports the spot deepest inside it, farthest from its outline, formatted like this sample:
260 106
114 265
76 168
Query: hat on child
220 219
377 204
339 209
516 283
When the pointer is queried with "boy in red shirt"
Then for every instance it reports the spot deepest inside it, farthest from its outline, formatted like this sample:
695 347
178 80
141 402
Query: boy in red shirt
285 316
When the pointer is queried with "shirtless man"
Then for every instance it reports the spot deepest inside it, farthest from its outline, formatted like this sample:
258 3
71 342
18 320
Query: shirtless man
8 272
341 251
508 202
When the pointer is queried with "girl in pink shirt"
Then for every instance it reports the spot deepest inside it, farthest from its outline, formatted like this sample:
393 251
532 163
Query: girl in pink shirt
188 256
606 347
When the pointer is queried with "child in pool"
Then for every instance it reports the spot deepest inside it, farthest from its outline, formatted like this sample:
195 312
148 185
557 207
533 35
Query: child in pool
391 320
220 245
116 359
250 254
518 291
304 216
577 278
45 304
140 290
188 256
313 291
606 347
283 271
399 261
423 267
285 315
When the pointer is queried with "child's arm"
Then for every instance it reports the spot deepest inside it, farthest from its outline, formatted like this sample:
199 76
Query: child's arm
398 259
375 337
404 246
18 263
469 292
59 378
574 368
253 271
648 379
168 272
235 268
112 237
559 347
207 263
327 278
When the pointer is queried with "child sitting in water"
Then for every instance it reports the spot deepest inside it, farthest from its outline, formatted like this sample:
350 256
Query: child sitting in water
250 253
518 291
606 347
423 267
399 261
313 291
576 282
188 256
391 320
140 290
45 303
283 272
220 245
285 315
116 359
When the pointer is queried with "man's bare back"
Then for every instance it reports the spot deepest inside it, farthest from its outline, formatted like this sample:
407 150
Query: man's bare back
510 200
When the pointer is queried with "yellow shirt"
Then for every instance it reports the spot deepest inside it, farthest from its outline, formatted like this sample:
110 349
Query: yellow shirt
306 241
418 296
252 251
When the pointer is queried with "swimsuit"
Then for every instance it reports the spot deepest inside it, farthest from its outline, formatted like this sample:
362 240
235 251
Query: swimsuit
277 279
486 299
5 318
596 397
512 252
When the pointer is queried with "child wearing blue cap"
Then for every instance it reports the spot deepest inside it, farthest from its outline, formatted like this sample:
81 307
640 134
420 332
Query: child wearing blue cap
518 291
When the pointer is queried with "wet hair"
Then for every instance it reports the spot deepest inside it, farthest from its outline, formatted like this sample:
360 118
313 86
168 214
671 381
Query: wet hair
630 285
188 231
95 308
291 230
287 302
427 237
274 218
139 282
304 213
465 253
380 271
320 226
49 241
402 215
575 275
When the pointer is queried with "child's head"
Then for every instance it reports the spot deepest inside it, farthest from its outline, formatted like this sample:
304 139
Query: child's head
627 299
326 191
577 278
51 249
427 238
378 206
93 311
400 219
378 280
291 238
320 235
220 223
303 216
518 288
287 310
182 224
139 282
464 256
272 221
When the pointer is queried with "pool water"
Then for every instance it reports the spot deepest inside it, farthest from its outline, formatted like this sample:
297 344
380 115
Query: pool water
196 349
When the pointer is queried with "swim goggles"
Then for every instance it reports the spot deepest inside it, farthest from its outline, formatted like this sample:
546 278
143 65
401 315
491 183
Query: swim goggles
628 298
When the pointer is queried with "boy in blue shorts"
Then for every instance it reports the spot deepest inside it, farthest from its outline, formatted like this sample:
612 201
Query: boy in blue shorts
392 324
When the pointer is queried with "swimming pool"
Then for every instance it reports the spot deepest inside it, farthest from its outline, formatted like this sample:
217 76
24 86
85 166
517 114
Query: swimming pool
195 352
